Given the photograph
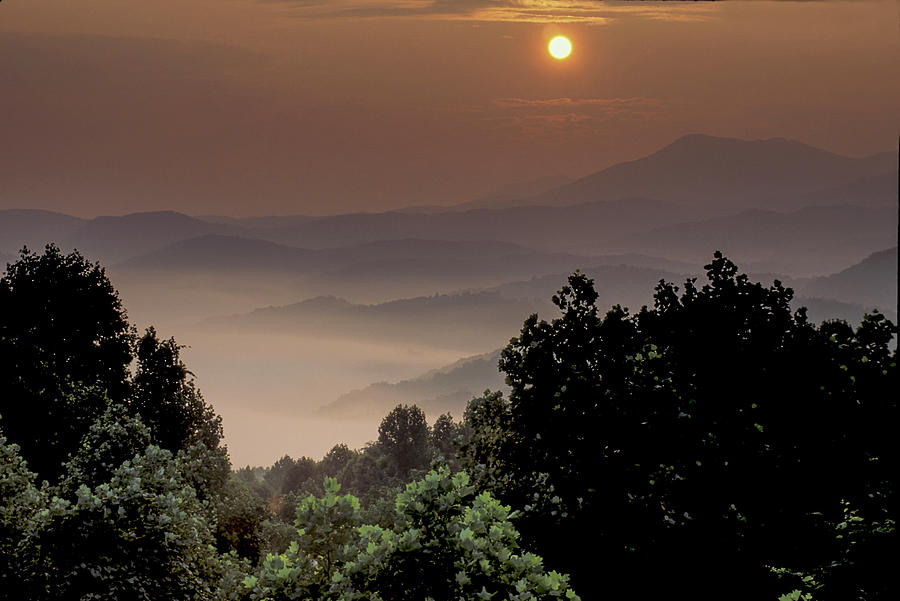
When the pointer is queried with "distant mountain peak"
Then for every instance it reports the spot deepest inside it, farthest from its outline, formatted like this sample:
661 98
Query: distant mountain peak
708 143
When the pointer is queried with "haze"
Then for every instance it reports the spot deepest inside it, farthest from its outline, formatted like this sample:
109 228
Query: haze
327 202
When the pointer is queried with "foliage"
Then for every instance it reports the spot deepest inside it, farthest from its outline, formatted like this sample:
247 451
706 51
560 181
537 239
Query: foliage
239 515
60 312
167 400
446 543
116 436
20 501
403 438
446 435
326 536
701 439
65 346
142 535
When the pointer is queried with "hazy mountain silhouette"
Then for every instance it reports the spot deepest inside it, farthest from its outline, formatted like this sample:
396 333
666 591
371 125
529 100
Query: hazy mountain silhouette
509 196
823 309
447 389
875 191
115 239
34 228
696 177
473 321
624 285
376 271
259 223
571 229
723 175
385 258
813 240
218 252
871 283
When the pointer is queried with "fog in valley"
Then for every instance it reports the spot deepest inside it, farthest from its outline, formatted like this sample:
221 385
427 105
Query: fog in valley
305 331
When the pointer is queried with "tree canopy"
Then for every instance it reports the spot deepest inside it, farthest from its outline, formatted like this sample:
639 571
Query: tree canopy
708 438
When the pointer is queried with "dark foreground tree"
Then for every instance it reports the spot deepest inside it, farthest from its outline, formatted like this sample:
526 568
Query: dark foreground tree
165 397
120 517
707 441
65 347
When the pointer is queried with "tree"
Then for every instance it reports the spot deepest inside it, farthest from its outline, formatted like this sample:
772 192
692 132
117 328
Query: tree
61 313
403 437
445 437
167 399
20 502
142 535
326 540
336 460
446 543
115 437
700 439
239 515
65 347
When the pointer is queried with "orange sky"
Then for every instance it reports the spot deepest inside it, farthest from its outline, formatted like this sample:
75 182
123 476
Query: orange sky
292 106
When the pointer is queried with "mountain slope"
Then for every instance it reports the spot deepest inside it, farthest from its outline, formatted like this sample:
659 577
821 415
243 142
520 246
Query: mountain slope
467 321
571 229
871 283
115 239
813 240
34 228
443 390
723 175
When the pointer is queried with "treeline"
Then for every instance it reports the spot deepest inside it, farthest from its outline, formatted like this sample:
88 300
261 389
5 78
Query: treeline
716 445
406 448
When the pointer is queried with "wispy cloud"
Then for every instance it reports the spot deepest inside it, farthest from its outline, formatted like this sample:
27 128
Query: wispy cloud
543 117
523 11
609 103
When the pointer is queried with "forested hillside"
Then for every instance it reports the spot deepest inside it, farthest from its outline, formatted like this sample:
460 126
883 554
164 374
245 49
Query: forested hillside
715 444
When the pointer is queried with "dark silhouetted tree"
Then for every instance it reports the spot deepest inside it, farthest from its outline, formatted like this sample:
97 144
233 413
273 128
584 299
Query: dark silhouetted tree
65 347
167 400
703 440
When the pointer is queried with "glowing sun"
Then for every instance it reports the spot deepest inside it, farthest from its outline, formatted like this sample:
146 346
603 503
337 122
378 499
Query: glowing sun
560 47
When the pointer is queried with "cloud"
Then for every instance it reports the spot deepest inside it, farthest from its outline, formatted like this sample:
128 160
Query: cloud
547 117
617 103
522 11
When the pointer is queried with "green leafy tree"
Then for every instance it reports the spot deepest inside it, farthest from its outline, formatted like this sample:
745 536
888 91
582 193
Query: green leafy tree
239 515
336 460
326 540
20 503
403 438
115 437
447 543
446 435
276 477
301 478
142 535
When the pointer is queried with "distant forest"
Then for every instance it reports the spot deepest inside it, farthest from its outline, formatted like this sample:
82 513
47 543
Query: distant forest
718 444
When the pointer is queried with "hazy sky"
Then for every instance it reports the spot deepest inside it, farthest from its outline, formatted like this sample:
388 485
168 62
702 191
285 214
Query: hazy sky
246 107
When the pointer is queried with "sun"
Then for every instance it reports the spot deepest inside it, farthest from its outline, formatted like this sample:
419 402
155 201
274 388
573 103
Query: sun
560 47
